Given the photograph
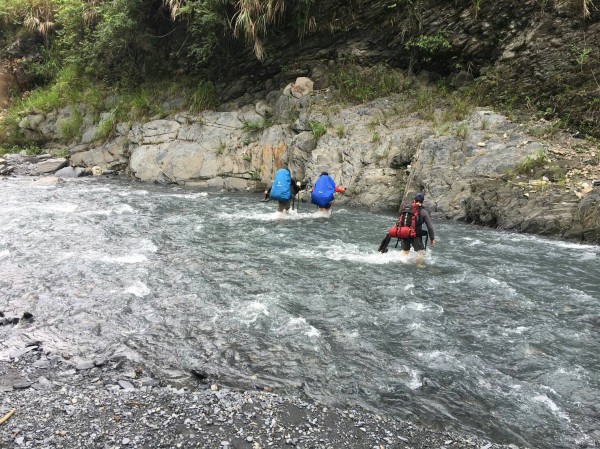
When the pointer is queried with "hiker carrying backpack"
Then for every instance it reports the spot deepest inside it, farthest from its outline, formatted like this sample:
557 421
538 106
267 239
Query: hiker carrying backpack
283 189
408 229
324 191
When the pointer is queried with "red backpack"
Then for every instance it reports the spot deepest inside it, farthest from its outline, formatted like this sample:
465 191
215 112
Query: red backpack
406 226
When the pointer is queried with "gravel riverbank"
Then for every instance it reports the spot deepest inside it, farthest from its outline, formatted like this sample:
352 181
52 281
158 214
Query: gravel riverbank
59 403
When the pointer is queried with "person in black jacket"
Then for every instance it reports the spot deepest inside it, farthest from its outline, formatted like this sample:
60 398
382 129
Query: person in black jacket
296 187
417 242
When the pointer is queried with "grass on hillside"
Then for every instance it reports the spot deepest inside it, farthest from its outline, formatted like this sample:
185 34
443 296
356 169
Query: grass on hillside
125 104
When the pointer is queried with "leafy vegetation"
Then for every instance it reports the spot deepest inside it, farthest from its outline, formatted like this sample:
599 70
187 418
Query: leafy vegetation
361 84
255 174
70 127
93 51
252 126
318 129
106 127
530 164
31 149
428 45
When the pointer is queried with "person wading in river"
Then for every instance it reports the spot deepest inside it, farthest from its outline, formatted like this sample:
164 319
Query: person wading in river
324 191
283 189
420 216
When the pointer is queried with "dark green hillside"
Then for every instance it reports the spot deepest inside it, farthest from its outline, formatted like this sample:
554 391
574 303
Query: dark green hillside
538 56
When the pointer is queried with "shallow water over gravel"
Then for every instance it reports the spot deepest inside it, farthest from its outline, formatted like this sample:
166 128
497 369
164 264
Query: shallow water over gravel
497 336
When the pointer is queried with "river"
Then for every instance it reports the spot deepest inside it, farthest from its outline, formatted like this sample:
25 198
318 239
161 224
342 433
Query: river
497 335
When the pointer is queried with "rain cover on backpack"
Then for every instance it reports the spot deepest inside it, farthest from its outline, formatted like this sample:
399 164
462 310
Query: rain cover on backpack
281 190
323 192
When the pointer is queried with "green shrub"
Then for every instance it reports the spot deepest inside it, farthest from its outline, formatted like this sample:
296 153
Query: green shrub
361 84
458 109
201 97
70 128
318 129
43 100
106 127
63 152
30 149
220 149
530 164
252 126
463 131
10 133
255 174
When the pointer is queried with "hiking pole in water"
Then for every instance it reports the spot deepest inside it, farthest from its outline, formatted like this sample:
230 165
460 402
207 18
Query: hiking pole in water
383 247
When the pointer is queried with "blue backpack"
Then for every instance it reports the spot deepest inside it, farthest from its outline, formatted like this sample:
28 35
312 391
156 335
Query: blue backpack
323 192
281 190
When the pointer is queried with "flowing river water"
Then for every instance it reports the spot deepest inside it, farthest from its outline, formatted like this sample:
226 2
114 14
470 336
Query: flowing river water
497 336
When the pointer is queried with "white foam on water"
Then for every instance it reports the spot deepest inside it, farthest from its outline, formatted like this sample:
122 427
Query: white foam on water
588 256
551 405
474 242
189 196
100 212
459 280
414 377
578 295
99 189
517 330
354 253
131 258
550 390
123 209
119 210
267 216
420 307
439 358
322 213
300 325
589 251
138 289
233 217
134 192
572 245
252 311
575 371
498 283
147 245
4 254
50 207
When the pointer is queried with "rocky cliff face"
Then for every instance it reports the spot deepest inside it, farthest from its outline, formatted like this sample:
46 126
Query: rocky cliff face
542 55
484 169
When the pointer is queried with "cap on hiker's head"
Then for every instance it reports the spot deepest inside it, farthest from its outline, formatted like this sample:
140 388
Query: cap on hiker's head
419 197
324 173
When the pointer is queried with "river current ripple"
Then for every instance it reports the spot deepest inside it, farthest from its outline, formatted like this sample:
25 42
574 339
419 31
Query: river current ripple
497 336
